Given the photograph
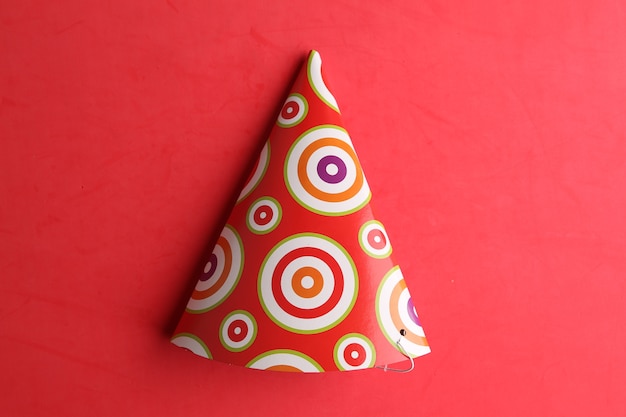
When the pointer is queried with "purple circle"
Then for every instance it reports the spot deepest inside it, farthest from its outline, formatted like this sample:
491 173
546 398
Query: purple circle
331 160
411 310
211 271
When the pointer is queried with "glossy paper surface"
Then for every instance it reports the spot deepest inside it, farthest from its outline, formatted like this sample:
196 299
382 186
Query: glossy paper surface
302 277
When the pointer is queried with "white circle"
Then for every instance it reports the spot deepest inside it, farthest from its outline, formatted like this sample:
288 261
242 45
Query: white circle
296 118
200 301
307 282
193 343
358 339
261 167
403 311
250 335
314 72
376 252
263 228
276 358
304 197
314 324
384 308
332 169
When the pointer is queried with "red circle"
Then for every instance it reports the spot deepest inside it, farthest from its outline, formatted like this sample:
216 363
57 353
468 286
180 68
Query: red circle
361 354
293 106
338 289
269 214
376 233
242 334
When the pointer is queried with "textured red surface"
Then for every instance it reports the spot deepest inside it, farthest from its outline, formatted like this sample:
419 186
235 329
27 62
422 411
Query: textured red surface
492 134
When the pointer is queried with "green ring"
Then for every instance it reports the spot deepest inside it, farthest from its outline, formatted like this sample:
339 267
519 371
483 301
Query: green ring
279 216
312 84
306 111
362 244
292 192
254 330
204 310
196 338
321 329
359 336
288 351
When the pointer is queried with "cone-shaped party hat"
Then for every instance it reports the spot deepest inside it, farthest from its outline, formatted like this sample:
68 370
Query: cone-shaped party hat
301 277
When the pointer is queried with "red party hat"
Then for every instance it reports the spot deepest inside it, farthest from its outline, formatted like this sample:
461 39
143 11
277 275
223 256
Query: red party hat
301 277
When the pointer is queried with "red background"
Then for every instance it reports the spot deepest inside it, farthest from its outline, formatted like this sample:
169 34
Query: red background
492 135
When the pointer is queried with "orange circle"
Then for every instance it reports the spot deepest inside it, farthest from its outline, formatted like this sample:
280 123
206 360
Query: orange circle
300 274
395 315
322 195
283 368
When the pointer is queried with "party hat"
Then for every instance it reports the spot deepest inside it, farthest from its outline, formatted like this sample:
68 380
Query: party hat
301 277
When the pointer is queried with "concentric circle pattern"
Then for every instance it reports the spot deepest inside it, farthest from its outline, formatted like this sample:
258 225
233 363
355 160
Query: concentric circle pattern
264 215
307 283
193 343
285 360
395 312
221 273
282 283
257 172
314 73
354 351
374 240
323 173
294 111
238 331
